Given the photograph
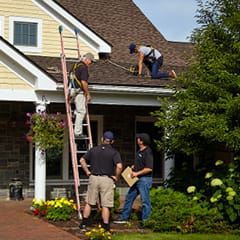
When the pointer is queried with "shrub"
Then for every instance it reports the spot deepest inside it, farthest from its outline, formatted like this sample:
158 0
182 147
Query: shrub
173 211
222 191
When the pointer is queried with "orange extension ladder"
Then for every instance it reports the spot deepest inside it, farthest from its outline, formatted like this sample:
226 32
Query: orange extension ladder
74 143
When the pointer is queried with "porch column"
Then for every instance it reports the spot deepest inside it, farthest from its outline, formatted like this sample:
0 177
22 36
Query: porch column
40 162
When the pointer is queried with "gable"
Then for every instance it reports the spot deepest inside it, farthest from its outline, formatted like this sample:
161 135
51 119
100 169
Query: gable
23 75
48 16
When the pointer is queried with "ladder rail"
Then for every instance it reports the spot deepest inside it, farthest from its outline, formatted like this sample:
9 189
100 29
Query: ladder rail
88 127
70 125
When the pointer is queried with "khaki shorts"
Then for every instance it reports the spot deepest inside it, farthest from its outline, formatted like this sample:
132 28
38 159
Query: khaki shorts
100 191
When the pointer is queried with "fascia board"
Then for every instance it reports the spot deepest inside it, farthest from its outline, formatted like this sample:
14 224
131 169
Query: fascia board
69 22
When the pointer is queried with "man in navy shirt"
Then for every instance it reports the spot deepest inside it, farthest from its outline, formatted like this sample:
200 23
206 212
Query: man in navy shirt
142 168
106 167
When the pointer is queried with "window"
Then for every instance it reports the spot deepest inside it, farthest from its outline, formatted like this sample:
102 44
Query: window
26 33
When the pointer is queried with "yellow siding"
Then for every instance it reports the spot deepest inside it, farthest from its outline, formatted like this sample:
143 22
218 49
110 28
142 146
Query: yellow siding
8 80
50 35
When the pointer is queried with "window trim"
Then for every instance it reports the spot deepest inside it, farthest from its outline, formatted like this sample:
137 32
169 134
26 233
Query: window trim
2 26
12 20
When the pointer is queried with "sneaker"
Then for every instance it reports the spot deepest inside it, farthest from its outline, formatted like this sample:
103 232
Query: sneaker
83 227
172 74
120 221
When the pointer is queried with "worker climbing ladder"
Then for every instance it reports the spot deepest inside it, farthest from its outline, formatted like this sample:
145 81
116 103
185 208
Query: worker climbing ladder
86 142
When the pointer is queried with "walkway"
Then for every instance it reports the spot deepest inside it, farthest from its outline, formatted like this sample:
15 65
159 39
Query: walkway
17 224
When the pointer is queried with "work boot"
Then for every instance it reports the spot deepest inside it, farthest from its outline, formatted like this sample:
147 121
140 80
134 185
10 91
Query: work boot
106 227
83 225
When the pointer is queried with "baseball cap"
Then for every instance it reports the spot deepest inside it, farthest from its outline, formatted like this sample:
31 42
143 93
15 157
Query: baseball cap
90 57
132 47
108 135
144 137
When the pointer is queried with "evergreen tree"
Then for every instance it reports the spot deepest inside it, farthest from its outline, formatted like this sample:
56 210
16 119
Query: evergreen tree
205 112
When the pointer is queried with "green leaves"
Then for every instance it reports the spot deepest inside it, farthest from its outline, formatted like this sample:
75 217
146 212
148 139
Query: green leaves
47 130
206 110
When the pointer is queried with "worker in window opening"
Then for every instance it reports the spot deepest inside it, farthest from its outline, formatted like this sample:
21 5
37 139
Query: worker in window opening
153 60
80 93
105 169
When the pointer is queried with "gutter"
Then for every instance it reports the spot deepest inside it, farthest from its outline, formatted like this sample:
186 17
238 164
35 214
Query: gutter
158 91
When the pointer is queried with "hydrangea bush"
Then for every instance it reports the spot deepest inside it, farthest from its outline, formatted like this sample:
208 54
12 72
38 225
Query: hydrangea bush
222 189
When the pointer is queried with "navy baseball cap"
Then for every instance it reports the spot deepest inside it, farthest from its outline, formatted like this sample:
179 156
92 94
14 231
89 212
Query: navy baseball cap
144 137
132 47
108 135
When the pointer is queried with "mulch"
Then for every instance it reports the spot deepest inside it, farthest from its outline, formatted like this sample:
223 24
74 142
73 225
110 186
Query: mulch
72 225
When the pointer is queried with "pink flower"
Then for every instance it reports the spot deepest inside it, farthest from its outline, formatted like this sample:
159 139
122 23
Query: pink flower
63 124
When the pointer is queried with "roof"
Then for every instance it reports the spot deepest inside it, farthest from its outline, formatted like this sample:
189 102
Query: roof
119 22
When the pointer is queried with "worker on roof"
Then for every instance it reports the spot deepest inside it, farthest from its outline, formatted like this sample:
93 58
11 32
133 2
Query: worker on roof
153 60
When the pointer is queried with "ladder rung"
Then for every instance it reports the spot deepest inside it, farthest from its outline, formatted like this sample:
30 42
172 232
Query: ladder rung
81 151
75 49
69 37
81 166
82 194
71 60
81 138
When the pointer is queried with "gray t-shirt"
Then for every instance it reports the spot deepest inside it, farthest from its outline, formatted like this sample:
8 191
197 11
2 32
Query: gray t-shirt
146 50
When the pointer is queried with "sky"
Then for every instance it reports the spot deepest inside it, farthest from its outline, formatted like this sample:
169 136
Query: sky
175 19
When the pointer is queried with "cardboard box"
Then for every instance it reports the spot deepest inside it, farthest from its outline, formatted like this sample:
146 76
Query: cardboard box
126 174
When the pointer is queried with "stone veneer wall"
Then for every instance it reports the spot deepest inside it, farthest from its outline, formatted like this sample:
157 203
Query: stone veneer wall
14 150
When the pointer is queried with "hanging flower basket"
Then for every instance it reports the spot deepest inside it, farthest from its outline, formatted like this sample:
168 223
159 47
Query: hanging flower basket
47 130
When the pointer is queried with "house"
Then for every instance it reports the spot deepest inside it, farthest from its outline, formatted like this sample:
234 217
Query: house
30 72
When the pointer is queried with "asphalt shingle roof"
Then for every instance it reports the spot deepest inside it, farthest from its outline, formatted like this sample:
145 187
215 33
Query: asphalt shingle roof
120 22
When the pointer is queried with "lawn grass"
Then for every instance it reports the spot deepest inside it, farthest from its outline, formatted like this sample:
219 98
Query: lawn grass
172 236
